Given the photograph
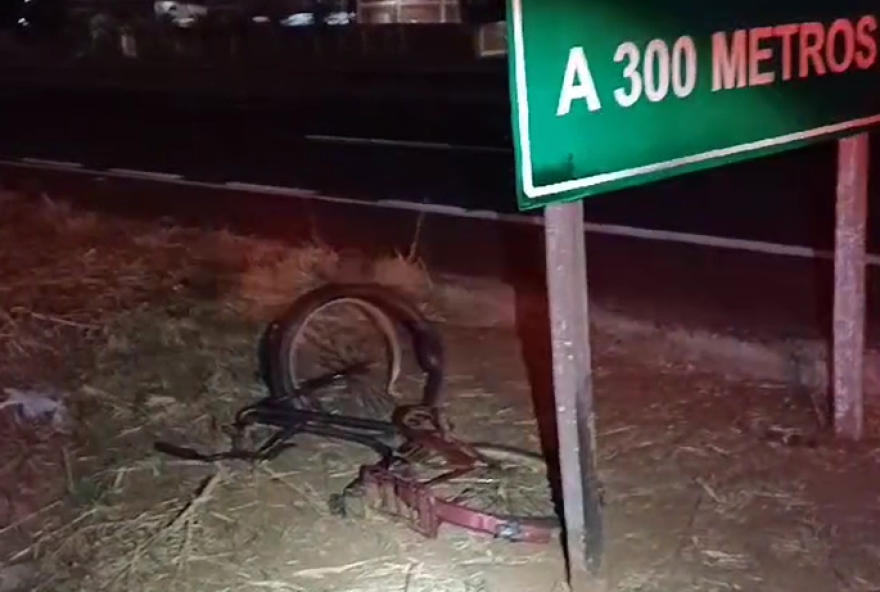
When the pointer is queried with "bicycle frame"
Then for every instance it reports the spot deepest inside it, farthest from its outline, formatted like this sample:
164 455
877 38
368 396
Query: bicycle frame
281 413
386 485
414 433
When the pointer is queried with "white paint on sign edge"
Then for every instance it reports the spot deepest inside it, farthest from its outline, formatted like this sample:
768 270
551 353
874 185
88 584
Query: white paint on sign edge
525 152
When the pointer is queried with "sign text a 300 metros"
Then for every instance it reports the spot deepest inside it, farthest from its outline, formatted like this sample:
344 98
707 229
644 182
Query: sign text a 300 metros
611 93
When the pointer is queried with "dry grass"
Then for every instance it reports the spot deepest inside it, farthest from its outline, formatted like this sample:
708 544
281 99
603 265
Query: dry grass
150 331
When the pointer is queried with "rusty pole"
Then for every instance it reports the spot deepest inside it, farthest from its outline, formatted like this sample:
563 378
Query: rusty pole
849 287
573 391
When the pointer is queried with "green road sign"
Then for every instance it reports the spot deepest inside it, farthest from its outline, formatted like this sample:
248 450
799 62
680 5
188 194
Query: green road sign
612 93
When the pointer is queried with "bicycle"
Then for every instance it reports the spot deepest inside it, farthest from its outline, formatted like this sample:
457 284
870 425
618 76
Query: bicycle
424 475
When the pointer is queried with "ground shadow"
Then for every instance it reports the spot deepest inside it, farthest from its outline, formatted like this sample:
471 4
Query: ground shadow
525 271
523 254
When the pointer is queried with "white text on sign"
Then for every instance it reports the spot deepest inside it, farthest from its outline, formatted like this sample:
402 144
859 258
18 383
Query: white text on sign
743 58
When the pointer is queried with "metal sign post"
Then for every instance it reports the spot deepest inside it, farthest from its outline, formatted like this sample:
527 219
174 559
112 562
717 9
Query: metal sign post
573 390
604 98
849 287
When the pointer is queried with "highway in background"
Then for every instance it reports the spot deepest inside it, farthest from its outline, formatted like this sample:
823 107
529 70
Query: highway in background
747 294
385 151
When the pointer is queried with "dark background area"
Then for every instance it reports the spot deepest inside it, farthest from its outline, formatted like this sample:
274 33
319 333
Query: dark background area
189 106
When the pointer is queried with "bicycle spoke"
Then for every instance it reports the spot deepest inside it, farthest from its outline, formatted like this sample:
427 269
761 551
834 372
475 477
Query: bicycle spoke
331 344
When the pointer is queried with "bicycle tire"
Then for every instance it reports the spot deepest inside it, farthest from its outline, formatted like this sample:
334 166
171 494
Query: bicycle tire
386 308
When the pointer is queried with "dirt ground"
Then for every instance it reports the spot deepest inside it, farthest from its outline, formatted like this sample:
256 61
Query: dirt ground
138 332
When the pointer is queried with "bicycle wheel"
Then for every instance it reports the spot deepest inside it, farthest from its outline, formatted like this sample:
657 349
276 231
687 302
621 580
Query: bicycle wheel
337 350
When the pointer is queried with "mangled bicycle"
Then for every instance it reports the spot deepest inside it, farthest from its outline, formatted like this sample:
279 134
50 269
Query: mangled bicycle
424 476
